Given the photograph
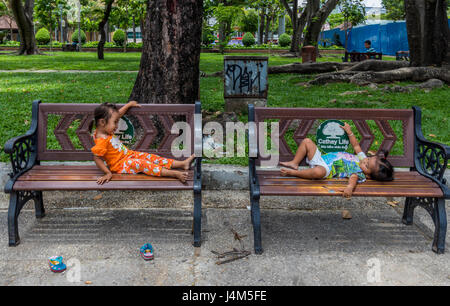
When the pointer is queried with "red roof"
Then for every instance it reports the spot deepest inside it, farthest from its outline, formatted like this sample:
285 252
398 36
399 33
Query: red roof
4 23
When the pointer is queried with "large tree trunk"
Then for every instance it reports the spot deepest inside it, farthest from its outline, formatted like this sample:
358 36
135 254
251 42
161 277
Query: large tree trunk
261 26
24 19
266 31
134 29
298 23
428 32
101 29
169 70
319 15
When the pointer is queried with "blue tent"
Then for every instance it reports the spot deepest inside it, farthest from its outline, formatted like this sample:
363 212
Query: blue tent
386 37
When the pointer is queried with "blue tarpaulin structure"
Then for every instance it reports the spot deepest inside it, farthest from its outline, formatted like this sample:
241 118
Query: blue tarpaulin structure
386 37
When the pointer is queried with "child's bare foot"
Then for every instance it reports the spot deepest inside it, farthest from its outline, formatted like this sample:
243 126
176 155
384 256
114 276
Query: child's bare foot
183 164
182 176
187 162
290 164
287 172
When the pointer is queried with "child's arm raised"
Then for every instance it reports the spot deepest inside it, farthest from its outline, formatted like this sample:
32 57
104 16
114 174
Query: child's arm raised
124 109
101 165
354 142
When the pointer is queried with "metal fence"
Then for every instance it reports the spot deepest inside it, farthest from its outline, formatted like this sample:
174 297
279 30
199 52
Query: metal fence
387 37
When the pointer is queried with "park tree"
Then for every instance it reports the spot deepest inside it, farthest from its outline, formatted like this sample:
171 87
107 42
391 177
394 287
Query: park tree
169 69
248 22
319 10
5 10
353 13
101 28
23 14
428 32
395 9
47 13
268 11
226 12
299 17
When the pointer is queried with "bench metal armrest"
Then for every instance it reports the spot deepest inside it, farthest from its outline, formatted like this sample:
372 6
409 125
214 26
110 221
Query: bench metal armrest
23 150
430 158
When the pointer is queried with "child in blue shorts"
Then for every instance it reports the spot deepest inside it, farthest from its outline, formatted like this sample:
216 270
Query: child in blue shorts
339 164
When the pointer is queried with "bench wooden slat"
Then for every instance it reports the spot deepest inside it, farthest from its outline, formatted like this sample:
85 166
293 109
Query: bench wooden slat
84 178
360 191
410 184
112 185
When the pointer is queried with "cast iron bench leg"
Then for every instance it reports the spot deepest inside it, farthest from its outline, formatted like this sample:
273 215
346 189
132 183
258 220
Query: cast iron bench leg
408 212
197 218
13 214
39 205
17 200
436 208
256 220
440 226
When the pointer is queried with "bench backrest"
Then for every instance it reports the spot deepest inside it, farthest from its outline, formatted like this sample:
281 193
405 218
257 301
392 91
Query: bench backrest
64 129
373 126
362 56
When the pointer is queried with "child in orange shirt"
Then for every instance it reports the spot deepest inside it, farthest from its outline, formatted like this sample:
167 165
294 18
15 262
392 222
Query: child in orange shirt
119 159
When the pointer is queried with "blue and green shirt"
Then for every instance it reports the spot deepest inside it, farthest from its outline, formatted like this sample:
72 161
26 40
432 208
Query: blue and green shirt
343 165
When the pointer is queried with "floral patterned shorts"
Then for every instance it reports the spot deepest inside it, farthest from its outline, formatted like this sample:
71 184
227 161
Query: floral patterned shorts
150 164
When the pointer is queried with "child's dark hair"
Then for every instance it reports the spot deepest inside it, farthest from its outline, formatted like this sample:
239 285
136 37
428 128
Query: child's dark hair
104 111
368 42
385 171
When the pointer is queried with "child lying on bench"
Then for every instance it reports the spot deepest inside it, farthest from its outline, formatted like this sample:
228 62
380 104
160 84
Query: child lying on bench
339 164
119 159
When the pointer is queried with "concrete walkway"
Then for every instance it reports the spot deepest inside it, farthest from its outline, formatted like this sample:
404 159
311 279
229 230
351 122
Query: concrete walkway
301 248
306 240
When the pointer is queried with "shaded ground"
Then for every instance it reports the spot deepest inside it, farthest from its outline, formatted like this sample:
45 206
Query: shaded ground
301 248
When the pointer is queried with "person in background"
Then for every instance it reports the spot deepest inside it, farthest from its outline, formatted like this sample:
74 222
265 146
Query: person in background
368 45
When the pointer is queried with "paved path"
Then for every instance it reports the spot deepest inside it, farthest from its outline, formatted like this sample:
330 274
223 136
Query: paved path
301 248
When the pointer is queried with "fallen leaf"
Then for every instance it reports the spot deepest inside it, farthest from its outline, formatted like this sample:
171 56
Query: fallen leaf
346 214
431 135
393 203
98 197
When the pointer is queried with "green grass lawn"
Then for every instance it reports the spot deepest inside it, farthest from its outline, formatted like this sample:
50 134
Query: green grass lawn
210 62
17 90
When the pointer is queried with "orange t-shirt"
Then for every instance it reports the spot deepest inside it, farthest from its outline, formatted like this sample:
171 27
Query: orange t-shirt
112 150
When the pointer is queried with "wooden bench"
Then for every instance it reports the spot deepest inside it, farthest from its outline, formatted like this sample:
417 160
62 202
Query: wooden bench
152 124
423 185
402 56
70 47
362 56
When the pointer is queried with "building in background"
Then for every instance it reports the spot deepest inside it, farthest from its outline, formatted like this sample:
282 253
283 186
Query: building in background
9 27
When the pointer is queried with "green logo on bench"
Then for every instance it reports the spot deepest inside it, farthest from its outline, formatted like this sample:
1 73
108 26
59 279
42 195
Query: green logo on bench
125 131
332 138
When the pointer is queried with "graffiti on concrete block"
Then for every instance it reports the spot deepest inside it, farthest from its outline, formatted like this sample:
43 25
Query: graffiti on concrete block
245 78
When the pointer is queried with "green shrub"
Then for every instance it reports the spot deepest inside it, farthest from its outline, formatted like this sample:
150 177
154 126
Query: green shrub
12 43
284 40
248 39
134 45
75 37
119 37
43 36
91 44
2 36
207 36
